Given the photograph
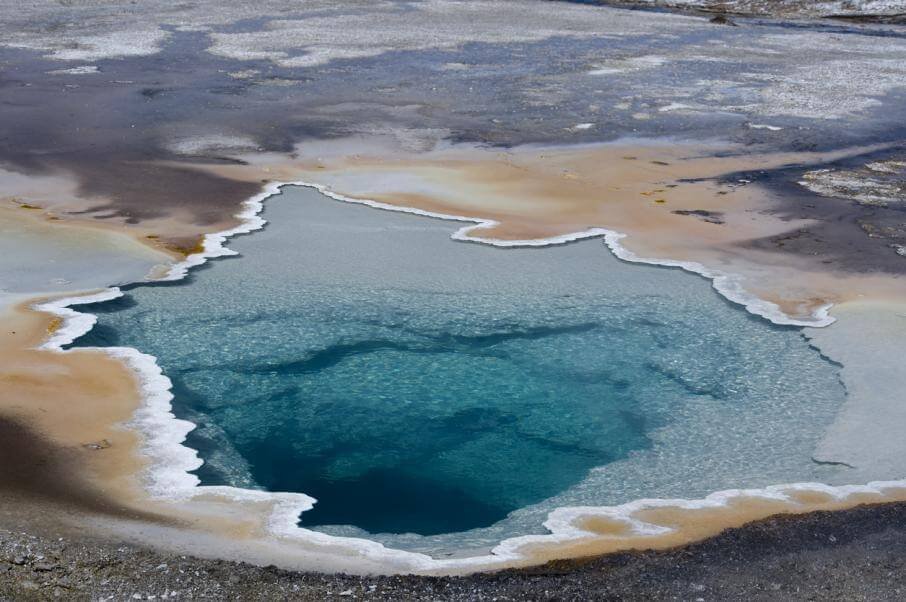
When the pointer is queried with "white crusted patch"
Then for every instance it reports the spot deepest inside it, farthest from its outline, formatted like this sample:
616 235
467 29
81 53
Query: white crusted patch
80 70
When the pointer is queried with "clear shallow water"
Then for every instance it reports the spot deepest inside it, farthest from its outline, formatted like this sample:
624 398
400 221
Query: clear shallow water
40 257
442 396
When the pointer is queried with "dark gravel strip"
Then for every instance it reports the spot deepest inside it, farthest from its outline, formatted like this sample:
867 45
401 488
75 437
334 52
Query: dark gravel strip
858 554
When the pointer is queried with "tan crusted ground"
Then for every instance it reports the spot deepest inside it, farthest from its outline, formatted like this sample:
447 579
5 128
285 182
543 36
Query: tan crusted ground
57 198
75 399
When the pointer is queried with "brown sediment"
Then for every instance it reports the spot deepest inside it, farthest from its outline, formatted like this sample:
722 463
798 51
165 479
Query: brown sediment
176 229
35 468
53 407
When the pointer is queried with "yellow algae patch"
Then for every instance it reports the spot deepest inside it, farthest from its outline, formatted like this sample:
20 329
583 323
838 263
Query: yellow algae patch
184 250
54 324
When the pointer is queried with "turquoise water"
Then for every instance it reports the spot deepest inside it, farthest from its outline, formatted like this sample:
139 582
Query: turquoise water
441 395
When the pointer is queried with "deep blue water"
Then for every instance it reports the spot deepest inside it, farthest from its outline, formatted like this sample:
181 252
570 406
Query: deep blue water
416 385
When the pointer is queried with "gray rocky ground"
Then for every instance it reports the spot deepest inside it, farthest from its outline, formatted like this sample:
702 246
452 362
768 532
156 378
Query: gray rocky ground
859 554
879 10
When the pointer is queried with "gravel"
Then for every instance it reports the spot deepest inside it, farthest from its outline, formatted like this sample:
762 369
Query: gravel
858 554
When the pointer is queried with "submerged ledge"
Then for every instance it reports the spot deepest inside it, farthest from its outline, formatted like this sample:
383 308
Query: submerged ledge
727 284
574 531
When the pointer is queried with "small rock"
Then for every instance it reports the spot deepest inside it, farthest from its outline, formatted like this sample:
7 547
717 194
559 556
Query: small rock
723 20
102 444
